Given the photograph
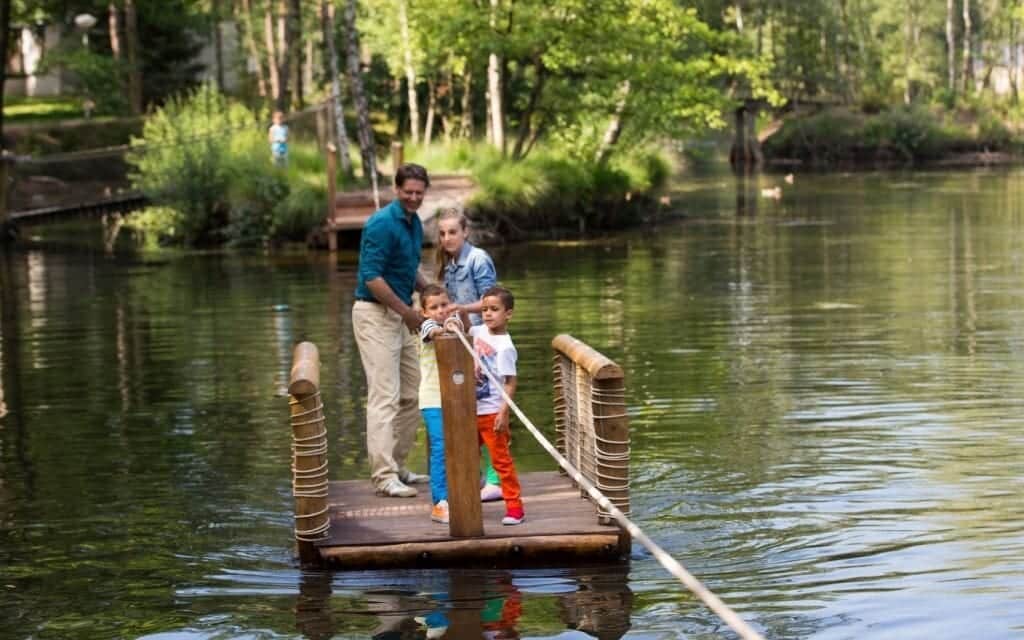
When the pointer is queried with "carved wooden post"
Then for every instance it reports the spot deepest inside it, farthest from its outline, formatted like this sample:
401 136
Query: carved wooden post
461 447
309 452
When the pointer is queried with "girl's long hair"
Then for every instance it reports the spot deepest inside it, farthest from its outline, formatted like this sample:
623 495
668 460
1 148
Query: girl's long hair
447 213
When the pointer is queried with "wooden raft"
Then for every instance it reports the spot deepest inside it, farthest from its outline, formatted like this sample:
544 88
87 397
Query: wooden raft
560 528
344 524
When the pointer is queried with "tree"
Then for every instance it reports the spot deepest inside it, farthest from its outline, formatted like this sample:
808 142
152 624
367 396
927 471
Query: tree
5 25
355 79
331 54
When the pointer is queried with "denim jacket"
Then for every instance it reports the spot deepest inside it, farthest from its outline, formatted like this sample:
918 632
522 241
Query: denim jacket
467 277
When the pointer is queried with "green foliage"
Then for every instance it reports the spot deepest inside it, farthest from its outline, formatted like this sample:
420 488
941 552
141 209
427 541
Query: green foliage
94 76
204 160
549 192
902 134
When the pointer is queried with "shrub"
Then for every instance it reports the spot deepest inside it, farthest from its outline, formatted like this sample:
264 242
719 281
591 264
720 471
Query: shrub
547 192
206 160
94 76
183 160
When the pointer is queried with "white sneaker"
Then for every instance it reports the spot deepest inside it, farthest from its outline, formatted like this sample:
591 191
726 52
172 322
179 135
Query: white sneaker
394 488
490 493
408 477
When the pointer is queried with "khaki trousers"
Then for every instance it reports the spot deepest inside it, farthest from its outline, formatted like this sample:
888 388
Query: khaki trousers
391 362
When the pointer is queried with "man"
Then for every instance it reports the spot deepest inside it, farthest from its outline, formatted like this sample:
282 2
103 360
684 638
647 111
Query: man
385 324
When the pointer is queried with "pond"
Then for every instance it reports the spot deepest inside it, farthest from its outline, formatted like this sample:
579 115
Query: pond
826 394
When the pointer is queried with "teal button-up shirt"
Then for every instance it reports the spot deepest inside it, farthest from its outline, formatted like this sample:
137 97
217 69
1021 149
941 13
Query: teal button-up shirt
390 249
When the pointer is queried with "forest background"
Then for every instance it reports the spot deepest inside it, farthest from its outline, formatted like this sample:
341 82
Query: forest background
568 114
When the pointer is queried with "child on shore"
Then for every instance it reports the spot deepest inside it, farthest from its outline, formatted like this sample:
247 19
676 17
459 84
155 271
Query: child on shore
466 271
497 353
277 135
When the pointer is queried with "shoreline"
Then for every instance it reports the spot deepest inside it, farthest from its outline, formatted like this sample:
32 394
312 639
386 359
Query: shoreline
965 159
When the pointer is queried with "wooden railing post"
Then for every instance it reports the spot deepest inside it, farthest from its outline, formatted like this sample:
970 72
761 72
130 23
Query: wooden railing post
309 452
461 448
591 424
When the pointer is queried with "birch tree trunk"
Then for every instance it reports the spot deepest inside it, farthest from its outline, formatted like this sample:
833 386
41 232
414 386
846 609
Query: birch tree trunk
428 129
950 47
218 44
355 79
466 125
494 90
308 62
114 30
271 45
1014 60
131 38
410 71
292 60
331 53
614 130
908 36
5 35
967 71
250 43
285 32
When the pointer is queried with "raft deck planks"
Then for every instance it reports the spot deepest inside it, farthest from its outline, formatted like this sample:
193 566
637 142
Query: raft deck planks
370 531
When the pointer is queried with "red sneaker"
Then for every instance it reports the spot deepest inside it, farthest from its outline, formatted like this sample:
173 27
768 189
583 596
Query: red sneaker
513 516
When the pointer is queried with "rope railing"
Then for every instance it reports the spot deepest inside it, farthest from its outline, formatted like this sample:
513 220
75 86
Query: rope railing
670 564
591 420
310 484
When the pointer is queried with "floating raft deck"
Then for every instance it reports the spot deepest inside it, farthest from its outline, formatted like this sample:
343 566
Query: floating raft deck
345 525
368 531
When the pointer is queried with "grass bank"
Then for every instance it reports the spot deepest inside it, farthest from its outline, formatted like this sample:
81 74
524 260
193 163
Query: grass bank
204 161
903 135
551 194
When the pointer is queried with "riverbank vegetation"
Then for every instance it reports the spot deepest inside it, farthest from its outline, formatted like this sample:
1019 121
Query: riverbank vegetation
907 81
559 110
838 136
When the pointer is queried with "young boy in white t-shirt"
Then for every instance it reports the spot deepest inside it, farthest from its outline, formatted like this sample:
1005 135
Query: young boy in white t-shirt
494 347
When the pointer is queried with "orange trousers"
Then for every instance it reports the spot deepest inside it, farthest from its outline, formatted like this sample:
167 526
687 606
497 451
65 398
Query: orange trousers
501 458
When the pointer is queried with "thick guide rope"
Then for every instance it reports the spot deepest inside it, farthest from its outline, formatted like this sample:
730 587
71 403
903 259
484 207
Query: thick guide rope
670 564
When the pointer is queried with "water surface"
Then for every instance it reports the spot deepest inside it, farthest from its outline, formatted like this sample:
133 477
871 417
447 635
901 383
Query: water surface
825 392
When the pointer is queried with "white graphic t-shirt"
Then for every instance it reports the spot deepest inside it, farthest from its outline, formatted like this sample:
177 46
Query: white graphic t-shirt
499 355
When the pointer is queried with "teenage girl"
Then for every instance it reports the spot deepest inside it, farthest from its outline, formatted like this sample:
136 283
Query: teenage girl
466 271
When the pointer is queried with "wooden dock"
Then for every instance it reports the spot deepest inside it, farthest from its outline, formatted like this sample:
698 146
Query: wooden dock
352 208
367 531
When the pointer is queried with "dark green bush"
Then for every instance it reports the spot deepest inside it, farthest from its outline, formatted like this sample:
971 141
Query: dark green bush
901 134
207 159
546 193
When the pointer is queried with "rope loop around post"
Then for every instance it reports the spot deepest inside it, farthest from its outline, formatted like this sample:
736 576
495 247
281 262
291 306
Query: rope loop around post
310 484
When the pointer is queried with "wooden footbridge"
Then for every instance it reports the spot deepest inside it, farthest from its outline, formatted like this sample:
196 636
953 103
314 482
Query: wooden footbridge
343 524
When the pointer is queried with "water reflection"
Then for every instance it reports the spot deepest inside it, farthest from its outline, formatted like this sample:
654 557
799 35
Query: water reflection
468 603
